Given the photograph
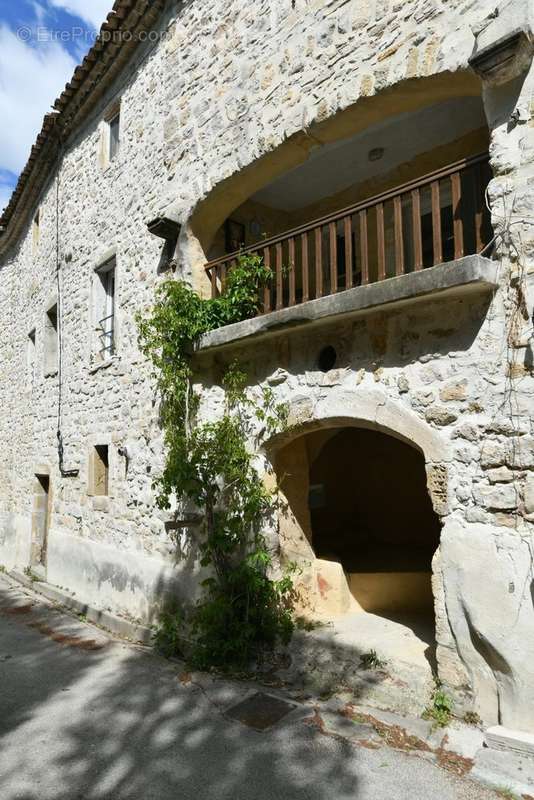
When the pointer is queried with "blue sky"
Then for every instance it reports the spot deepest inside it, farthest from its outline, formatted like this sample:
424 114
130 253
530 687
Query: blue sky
41 41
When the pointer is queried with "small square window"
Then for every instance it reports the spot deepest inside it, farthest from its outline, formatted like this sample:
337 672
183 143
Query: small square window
51 341
99 471
114 135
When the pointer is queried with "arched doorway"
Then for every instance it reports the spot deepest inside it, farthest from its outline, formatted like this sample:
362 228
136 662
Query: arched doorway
370 510
365 489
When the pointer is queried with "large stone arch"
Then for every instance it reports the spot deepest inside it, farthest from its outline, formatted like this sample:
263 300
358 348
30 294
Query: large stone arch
372 409
361 408
230 191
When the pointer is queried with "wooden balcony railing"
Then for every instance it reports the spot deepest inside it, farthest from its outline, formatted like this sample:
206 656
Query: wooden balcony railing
439 217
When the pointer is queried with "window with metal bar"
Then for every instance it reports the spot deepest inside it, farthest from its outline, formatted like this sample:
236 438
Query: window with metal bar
105 310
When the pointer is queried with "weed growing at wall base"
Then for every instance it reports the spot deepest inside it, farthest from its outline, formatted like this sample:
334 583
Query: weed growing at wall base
31 575
371 660
210 466
440 712
507 793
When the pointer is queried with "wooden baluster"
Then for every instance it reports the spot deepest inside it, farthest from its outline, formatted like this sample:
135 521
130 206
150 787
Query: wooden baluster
478 205
457 212
436 223
347 229
381 241
279 276
364 247
486 230
399 238
318 262
416 229
332 229
305 268
292 271
213 281
267 289
223 276
232 265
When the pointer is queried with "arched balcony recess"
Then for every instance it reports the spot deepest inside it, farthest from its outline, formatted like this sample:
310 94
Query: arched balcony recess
405 194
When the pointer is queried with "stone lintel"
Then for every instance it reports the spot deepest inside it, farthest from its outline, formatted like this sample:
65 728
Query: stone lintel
472 273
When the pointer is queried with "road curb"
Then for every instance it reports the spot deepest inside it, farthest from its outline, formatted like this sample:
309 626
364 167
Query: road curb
118 626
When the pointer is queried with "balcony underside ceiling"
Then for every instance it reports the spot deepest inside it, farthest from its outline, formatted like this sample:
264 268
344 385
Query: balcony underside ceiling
332 168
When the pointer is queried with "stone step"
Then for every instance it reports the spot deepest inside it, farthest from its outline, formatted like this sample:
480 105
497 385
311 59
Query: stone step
500 738
325 663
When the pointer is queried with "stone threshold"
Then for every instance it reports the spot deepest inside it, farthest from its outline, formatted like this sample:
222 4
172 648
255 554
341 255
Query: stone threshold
118 626
469 274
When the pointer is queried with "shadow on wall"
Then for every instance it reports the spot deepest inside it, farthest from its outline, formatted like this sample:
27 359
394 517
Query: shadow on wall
487 580
181 586
120 725
130 582
391 338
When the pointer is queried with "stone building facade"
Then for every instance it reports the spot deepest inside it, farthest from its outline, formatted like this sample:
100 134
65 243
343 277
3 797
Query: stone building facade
226 119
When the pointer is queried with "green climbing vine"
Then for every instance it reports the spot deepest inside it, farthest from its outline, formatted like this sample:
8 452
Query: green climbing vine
210 466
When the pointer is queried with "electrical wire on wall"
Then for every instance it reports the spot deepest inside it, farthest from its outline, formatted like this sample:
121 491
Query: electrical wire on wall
65 473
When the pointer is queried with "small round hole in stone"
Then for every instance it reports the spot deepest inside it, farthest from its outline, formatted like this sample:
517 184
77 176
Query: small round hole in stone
327 358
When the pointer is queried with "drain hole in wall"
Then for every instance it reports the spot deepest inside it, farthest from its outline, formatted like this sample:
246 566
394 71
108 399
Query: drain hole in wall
327 359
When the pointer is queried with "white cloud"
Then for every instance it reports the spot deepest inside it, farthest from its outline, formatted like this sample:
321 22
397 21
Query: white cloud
31 77
30 80
92 11
5 194
40 12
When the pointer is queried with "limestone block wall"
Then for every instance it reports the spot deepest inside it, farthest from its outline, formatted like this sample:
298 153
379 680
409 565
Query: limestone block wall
434 375
231 96
225 85
283 76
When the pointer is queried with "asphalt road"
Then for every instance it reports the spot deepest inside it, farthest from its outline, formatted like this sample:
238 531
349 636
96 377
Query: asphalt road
83 717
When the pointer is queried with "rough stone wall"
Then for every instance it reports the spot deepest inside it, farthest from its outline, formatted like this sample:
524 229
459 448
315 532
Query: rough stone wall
279 73
229 84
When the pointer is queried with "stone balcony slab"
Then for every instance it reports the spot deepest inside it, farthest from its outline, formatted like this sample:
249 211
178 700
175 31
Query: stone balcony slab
470 274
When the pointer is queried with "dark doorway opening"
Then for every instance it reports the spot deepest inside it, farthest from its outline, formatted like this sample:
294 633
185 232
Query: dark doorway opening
370 510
